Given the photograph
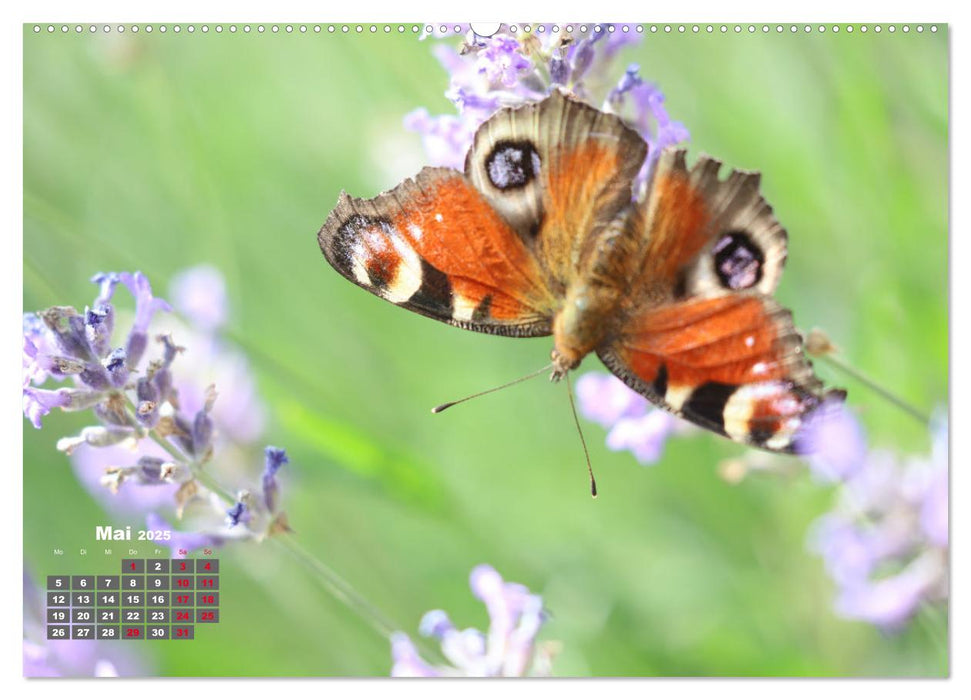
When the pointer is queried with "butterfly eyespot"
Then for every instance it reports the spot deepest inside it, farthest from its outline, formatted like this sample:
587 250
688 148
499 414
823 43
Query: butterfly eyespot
738 260
512 164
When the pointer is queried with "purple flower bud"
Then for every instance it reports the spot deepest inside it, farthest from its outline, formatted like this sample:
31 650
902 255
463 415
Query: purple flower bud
95 376
183 435
116 367
435 623
276 457
60 365
150 470
98 324
146 306
628 82
107 282
201 432
466 100
148 403
39 346
39 402
891 601
111 413
170 351
163 383
934 501
407 663
96 436
582 58
68 330
559 70
934 509
135 348
239 513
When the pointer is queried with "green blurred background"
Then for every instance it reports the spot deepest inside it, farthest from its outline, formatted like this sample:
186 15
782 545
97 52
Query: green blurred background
157 152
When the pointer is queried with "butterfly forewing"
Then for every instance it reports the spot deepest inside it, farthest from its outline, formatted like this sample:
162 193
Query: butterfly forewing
559 171
435 246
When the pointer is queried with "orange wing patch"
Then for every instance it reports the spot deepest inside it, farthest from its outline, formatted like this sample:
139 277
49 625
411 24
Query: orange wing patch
731 364
435 246
450 225
678 230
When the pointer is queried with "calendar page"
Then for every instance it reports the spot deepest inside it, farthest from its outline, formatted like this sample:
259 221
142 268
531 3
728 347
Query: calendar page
682 289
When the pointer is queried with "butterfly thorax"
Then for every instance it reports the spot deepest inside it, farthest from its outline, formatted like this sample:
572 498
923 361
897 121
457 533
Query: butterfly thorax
593 297
581 324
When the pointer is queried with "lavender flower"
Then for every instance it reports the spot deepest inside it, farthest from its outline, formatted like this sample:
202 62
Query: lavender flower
39 402
508 649
643 104
633 423
202 426
885 545
833 442
154 428
507 70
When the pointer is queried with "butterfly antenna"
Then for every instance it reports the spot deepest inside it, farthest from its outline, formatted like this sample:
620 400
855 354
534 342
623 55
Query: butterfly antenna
439 409
586 453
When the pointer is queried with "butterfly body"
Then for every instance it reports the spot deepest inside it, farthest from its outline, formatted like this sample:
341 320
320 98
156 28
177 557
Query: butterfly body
540 236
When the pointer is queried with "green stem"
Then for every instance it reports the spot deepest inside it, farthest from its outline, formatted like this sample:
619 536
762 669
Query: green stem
866 381
337 586
331 581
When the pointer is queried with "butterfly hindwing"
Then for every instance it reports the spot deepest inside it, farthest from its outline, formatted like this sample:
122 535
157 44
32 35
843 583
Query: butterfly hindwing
435 246
706 235
732 364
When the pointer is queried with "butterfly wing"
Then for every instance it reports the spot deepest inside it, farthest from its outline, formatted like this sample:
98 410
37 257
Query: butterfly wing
434 245
559 171
700 334
492 250
732 364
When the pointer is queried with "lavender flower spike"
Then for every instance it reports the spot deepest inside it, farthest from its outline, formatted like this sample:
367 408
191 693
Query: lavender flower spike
511 69
509 648
885 544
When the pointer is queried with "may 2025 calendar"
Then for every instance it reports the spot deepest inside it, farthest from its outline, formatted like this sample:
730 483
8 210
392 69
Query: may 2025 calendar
484 350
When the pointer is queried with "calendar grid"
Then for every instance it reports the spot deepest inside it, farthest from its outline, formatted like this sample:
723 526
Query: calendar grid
153 599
